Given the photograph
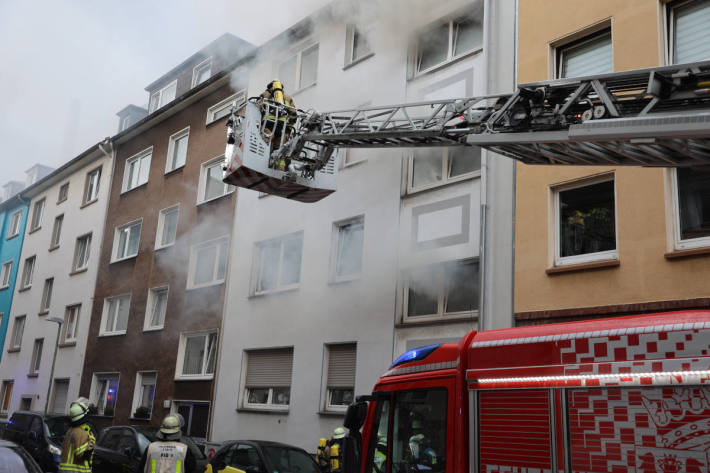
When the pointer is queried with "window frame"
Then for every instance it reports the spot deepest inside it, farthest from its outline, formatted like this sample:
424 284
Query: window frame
592 34
451 57
26 282
93 396
87 253
159 102
136 157
335 250
233 100
446 163
298 52
138 392
258 259
678 242
46 300
184 133
149 307
15 344
6 397
441 313
351 31
116 240
53 408
669 9
15 224
62 190
6 274
245 389
327 389
198 69
91 193
555 189
202 184
56 232
36 360
192 264
65 338
36 221
124 123
180 365
104 315
160 229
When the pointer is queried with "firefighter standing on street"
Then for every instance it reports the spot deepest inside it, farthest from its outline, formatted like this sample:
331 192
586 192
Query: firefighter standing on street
168 454
79 441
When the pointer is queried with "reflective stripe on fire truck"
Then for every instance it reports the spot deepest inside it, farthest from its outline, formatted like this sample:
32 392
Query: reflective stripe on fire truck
660 378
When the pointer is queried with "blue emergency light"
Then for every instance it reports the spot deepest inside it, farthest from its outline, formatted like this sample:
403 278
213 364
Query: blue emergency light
415 354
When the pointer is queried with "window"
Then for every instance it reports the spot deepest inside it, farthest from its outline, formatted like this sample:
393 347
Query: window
155 308
37 211
587 56
201 72
585 221
125 123
340 386
144 394
46 295
448 289
357 46
346 257
63 193
36 356
268 379
57 231
691 192
177 150
17 331
5 275
689 35
161 97
82 252
211 186
197 355
91 188
278 264
28 272
196 415
137 169
14 228
299 70
114 319
104 393
71 323
430 167
60 394
126 240
448 40
208 263
6 396
224 107
167 227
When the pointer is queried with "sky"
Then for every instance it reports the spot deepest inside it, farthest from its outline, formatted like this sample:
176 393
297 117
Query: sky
68 66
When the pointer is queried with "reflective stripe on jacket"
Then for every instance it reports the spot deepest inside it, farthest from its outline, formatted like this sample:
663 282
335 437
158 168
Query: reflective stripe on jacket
77 450
166 457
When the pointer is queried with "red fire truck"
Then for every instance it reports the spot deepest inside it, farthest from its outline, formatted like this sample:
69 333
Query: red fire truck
626 394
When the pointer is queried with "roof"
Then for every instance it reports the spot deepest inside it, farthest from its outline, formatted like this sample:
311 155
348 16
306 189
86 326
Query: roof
130 107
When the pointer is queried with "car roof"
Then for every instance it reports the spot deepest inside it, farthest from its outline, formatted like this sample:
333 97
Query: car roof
262 443
7 443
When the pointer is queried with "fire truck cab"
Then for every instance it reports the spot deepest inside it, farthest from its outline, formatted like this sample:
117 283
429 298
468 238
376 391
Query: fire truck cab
626 394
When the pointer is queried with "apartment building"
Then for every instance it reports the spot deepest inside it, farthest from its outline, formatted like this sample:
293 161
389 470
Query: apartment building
157 307
321 297
56 274
605 241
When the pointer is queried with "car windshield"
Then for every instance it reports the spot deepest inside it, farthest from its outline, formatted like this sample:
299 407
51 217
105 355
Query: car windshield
56 427
289 460
14 460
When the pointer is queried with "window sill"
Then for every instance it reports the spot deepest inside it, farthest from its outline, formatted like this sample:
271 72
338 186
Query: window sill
333 413
194 378
78 271
140 419
43 312
33 230
124 259
303 89
10 237
157 248
52 248
445 64
4 287
358 61
689 253
13 350
154 329
66 344
86 204
126 191
203 202
612 263
264 410
353 163
23 289
345 279
436 320
202 286
170 173
61 201
439 185
32 375
212 122
275 291
112 334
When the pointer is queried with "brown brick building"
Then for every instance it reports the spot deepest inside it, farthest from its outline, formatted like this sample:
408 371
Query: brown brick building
159 294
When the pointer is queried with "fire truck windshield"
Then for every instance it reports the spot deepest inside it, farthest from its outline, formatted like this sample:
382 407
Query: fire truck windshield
417 439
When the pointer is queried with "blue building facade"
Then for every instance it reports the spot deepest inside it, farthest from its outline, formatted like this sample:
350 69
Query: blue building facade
13 219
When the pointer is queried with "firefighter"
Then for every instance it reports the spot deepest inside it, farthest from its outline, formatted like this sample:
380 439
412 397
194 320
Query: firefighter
278 125
168 453
422 456
79 441
380 458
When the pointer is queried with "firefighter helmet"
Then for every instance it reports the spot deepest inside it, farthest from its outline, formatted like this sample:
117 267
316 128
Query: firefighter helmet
79 409
170 426
339 433
274 84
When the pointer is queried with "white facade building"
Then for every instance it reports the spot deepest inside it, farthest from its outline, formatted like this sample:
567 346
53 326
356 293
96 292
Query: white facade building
56 280
322 297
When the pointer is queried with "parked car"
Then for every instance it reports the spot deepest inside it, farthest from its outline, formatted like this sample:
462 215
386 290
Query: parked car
15 459
261 456
41 436
121 448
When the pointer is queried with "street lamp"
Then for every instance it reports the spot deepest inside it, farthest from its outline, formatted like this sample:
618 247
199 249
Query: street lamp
59 322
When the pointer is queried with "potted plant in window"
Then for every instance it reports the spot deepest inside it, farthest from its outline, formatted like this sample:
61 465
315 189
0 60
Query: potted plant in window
142 413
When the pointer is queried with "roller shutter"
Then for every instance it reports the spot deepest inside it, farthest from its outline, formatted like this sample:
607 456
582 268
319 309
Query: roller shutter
341 365
269 368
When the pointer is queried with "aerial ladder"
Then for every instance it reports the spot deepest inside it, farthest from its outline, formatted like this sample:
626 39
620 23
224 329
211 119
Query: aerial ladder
656 117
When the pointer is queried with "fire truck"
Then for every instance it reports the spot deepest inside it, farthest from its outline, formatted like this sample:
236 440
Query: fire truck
625 394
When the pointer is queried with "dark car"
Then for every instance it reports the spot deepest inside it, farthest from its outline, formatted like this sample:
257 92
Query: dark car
261 456
41 436
121 448
15 459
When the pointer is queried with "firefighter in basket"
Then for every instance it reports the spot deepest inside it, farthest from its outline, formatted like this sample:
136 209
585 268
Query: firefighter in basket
279 117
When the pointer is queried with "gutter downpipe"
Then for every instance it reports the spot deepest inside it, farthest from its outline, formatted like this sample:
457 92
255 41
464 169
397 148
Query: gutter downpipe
482 248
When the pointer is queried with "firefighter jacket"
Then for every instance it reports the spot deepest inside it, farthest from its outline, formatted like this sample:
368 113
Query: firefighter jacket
289 116
77 450
165 457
